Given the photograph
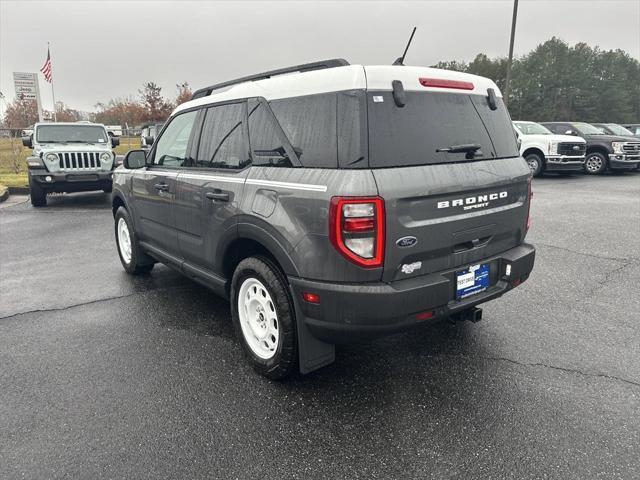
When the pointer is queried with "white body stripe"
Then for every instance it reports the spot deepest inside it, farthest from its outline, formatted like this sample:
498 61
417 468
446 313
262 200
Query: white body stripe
251 181
288 185
213 178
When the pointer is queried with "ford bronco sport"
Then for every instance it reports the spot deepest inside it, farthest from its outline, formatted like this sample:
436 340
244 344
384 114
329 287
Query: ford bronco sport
339 203
69 157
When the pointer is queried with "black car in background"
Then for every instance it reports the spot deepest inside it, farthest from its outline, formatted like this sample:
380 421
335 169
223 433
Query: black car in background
604 151
616 129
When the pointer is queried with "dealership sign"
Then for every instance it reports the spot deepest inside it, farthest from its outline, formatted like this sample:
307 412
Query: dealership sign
26 85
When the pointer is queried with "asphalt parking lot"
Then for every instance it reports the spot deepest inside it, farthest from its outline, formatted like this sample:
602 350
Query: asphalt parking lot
107 376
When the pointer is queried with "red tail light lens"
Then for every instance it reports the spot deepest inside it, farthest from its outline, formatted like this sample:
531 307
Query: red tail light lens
444 83
356 229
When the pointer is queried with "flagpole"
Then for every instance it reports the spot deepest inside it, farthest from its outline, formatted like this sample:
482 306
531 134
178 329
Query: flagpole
53 95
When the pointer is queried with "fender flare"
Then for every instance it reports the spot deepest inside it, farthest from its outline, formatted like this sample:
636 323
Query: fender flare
271 242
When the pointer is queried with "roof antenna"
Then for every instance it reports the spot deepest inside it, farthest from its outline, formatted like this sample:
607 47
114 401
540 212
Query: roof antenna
400 60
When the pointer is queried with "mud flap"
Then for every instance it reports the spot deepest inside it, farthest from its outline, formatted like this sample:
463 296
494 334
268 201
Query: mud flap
312 353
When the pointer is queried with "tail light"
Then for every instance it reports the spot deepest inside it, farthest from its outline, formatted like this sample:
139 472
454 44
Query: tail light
444 83
530 197
356 229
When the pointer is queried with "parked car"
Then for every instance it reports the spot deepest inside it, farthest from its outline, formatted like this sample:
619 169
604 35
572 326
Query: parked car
633 128
614 152
341 203
114 130
545 151
69 157
615 129
148 134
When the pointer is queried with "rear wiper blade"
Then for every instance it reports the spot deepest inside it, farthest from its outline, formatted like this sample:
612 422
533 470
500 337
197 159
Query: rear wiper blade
471 150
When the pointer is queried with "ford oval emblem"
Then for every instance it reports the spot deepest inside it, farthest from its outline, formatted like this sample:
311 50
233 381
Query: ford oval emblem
406 242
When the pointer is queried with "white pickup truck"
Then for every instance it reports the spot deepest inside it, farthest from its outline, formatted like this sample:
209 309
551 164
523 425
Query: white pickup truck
114 130
546 151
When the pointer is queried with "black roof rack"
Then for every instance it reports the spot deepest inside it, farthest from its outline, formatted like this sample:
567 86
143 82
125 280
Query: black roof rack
306 67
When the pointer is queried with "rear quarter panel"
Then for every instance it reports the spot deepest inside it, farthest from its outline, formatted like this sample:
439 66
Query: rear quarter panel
292 206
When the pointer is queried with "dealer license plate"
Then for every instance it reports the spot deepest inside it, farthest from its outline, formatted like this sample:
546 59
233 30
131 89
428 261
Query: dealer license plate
474 279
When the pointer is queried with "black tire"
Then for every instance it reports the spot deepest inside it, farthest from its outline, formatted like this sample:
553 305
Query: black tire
37 194
536 164
595 163
284 361
139 262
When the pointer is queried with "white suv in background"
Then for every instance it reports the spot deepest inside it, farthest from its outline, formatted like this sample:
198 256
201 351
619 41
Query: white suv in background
546 151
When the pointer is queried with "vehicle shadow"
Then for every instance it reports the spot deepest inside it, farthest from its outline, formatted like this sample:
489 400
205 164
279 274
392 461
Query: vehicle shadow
74 201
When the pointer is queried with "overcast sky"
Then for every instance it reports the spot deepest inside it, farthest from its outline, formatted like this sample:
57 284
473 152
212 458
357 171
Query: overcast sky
106 49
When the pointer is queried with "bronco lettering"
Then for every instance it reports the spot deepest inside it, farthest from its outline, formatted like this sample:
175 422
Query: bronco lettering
476 202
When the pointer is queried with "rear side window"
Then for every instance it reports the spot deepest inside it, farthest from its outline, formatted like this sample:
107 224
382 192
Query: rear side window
309 123
223 142
430 121
267 142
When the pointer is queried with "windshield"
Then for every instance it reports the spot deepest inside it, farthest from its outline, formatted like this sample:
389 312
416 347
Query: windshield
530 128
436 127
71 134
618 129
588 129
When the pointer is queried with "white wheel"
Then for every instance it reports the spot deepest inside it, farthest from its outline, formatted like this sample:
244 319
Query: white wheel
124 240
258 318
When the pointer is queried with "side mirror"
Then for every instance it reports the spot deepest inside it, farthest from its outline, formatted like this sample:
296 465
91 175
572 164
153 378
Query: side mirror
135 159
149 140
27 142
569 132
115 141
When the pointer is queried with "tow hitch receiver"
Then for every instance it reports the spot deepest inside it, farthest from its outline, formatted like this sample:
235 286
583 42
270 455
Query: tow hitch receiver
472 314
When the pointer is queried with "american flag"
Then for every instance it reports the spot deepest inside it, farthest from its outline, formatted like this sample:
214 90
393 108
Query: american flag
46 68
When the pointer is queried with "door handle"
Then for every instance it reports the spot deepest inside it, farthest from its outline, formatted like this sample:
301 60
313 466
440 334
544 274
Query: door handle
222 196
161 186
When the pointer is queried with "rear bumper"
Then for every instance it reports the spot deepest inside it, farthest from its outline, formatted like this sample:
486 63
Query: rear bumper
618 160
71 182
352 312
565 163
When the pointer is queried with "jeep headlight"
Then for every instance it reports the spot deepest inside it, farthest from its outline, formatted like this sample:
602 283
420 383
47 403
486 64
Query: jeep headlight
105 157
51 157
617 147
553 148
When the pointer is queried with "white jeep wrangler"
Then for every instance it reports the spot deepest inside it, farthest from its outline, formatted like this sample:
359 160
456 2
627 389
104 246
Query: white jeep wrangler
69 157
546 151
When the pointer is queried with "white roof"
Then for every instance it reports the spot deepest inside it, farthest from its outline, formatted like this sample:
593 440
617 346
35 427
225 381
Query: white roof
351 77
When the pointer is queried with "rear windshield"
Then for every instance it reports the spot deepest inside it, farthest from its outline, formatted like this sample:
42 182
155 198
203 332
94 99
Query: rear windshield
432 121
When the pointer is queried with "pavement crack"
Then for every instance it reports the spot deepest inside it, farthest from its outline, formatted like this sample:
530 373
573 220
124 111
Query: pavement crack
601 257
90 302
561 369
607 277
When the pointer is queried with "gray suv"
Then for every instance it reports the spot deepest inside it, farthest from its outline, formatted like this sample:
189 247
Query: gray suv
334 203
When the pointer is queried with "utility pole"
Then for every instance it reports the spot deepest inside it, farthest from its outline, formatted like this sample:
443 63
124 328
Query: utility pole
510 59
